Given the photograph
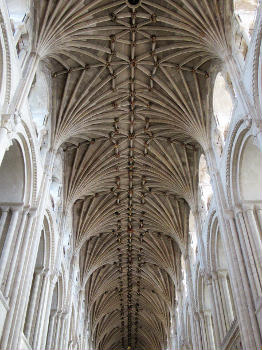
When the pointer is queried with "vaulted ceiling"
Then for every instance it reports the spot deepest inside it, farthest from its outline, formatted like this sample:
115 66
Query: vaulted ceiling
132 85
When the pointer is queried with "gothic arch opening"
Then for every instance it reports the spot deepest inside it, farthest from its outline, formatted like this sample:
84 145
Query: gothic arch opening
193 236
17 12
205 188
250 168
222 108
2 72
245 10
39 106
12 175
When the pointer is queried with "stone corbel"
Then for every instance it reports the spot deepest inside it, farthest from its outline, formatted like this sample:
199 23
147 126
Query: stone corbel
10 121
256 130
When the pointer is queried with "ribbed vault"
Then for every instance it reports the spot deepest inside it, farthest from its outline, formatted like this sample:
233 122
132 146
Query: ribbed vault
131 108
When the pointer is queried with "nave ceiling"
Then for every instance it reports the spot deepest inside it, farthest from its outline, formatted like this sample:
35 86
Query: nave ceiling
132 88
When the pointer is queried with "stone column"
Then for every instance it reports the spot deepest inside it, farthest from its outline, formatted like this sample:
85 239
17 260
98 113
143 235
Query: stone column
249 326
255 240
200 242
40 316
247 254
208 282
195 335
228 310
197 330
57 330
41 341
238 276
4 213
16 251
218 304
61 331
209 328
203 331
8 241
13 314
51 330
32 304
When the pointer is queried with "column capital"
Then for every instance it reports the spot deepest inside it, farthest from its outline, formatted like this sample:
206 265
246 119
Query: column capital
214 275
207 313
39 270
7 122
32 212
208 278
17 207
248 206
5 206
222 273
196 315
238 209
229 214
26 209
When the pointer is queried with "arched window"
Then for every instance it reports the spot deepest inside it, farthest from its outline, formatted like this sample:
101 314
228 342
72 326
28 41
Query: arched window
245 11
205 188
56 186
39 106
222 108
12 190
18 10
193 237
2 73
184 276
250 180
243 24
19 15
250 194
